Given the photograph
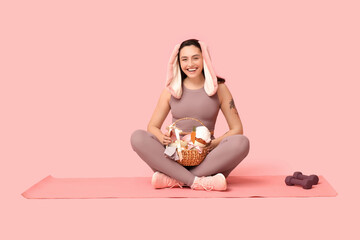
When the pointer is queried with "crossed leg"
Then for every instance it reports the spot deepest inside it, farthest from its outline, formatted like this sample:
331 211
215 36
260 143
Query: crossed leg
151 151
224 158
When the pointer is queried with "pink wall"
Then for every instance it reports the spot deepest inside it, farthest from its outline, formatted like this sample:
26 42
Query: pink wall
71 77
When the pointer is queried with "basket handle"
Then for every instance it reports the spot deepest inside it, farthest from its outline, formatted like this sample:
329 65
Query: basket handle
184 118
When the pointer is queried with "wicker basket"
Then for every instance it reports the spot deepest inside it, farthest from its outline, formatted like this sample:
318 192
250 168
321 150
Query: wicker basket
192 157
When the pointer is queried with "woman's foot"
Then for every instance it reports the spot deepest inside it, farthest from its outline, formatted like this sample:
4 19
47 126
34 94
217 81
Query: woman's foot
160 180
217 182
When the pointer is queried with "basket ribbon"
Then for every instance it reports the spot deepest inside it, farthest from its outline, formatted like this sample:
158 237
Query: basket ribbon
177 131
191 146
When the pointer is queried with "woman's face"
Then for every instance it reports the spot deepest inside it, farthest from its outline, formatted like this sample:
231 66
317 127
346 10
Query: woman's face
190 59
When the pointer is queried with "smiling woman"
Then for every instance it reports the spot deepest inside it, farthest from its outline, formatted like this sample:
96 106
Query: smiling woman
192 90
190 57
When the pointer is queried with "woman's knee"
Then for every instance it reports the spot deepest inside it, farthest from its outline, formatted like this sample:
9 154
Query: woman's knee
244 140
240 141
137 138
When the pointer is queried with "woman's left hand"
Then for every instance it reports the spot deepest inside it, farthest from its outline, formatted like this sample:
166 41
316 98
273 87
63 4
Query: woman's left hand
213 144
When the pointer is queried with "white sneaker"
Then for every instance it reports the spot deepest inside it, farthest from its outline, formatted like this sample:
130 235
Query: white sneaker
217 182
161 180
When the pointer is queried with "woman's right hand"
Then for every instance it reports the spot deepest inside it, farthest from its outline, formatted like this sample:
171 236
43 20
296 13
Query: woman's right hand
165 139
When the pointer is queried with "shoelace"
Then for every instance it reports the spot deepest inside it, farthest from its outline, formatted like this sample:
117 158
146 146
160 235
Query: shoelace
203 183
171 185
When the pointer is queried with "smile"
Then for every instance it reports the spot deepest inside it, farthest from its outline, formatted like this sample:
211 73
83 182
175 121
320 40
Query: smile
191 70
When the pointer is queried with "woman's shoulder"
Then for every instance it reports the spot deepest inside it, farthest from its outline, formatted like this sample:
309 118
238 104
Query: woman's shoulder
221 86
222 91
165 94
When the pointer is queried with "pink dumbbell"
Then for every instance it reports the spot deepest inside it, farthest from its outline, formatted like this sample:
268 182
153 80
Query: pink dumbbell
305 183
313 178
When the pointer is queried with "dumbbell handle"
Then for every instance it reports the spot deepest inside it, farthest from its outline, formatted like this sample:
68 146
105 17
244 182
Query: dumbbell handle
300 176
306 183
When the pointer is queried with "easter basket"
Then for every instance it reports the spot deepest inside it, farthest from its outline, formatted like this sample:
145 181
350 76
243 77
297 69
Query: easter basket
190 157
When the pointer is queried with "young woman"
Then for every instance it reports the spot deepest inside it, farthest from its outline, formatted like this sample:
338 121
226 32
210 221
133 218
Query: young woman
192 90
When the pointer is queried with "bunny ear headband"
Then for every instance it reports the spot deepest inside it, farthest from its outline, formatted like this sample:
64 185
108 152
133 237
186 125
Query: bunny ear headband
173 80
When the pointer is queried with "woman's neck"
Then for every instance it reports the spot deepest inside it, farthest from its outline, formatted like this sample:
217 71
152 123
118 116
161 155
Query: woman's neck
195 82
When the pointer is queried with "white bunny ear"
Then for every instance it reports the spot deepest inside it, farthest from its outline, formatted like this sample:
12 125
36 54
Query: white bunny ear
176 80
173 78
211 84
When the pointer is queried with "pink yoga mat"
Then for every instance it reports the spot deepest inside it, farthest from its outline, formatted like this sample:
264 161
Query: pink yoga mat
140 187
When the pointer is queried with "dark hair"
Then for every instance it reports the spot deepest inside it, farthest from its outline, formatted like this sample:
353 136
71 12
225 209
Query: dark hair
196 43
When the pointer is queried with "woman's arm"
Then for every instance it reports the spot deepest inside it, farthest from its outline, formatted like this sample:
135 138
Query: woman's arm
161 111
230 112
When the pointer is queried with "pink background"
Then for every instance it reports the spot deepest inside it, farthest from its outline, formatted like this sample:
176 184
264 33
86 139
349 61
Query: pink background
78 77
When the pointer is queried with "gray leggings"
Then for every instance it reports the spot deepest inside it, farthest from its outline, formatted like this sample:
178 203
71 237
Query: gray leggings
222 159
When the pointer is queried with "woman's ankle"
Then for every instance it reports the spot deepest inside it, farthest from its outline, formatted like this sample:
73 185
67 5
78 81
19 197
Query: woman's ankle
192 182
